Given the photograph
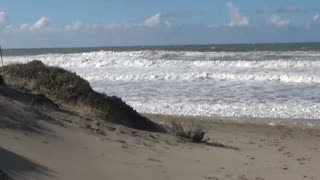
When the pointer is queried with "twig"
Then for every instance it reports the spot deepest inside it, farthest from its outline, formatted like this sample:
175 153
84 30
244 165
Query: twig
1 56
2 71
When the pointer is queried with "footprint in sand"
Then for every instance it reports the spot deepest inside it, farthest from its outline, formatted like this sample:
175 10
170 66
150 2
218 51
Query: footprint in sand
289 154
284 167
124 147
210 177
121 141
243 177
302 160
252 158
155 160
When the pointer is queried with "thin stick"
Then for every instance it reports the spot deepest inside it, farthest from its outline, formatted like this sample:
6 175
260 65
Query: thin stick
1 73
1 56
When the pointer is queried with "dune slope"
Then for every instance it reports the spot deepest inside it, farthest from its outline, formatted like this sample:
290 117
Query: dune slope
67 88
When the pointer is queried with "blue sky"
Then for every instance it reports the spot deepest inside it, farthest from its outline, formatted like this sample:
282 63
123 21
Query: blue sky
73 23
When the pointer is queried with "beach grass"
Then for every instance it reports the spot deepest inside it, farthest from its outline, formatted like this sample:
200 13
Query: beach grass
194 131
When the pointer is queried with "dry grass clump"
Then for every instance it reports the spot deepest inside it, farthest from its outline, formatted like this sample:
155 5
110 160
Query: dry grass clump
194 131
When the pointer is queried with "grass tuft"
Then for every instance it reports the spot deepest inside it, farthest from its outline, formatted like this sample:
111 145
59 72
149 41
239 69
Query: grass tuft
195 132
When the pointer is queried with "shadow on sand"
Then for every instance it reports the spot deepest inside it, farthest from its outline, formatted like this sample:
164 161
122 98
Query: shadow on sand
17 166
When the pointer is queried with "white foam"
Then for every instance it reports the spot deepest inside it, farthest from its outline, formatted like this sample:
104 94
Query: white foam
167 65
245 74
180 59
190 76
271 124
234 110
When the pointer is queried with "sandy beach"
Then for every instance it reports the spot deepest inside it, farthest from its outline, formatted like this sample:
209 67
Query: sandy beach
44 136
159 90
60 145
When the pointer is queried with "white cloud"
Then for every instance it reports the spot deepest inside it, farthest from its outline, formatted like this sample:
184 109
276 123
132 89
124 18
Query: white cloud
237 19
25 27
277 21
316 17
84 26
4 20
75 26
156 20
42 23
153 21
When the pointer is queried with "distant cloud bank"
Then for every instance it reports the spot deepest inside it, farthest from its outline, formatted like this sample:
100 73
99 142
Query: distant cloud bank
277 21
164 28
42 23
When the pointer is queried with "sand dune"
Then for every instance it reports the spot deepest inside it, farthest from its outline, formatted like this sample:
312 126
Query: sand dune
46 139
39 142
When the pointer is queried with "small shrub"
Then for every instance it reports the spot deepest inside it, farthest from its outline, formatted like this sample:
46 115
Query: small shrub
195 132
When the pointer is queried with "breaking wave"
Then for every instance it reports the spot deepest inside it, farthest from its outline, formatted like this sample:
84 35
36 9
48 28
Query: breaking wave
169 58
296 78
246 84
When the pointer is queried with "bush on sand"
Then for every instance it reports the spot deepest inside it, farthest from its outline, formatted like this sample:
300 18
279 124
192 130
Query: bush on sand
195 132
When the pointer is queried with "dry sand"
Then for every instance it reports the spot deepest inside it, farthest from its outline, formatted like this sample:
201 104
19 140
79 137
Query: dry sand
37 143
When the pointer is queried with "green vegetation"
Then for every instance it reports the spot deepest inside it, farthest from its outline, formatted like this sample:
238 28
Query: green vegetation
63 86
195 132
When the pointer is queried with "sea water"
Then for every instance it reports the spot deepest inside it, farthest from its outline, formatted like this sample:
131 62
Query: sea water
280 81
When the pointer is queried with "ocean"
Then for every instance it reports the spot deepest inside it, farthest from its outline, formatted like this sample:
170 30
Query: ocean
239 81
